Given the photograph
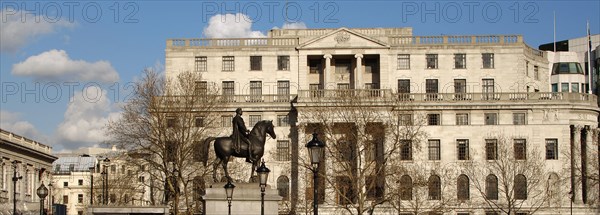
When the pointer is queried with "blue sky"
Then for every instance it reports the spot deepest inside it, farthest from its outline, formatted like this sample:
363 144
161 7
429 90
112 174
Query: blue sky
65 66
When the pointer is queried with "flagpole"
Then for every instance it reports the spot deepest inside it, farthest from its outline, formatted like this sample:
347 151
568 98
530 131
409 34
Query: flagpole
554 31
590 73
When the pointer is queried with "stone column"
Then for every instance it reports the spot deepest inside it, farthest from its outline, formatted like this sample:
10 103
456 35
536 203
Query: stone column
586 172
575 158
358 72
327 73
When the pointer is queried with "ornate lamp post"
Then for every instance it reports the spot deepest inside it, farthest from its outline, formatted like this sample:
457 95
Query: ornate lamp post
105 182
229 192
92 185
263 174
15 179
315 152
42 192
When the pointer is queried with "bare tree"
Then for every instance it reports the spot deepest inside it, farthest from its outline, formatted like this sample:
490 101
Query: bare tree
423 188
163 126
365 133
510 177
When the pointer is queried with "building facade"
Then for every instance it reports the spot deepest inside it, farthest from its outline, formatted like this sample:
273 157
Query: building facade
31 162
471 95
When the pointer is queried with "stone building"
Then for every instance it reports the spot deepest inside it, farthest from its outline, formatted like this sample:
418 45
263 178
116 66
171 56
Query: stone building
472 94
31 161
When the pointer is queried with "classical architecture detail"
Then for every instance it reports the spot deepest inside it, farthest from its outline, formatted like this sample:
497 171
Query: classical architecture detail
480 100
342 37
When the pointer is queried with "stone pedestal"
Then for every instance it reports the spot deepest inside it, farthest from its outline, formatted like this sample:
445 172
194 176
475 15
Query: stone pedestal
246 200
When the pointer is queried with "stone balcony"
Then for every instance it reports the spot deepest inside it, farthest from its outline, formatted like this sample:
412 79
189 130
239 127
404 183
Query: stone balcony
387 95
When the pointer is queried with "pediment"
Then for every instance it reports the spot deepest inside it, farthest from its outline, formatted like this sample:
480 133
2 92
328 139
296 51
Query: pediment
343 38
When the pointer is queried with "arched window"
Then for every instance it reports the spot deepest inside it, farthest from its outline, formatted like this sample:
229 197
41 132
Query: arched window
406 187
462 187
491 187
520 187
435 187
283 187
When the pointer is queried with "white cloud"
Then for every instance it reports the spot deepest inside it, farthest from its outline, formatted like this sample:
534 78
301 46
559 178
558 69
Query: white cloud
56 64
231 26
86 118
17 30
294 25
11 121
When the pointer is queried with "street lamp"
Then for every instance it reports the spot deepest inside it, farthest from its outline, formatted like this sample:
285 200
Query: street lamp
229 192
105 183
15 179
51 198
92 185
315 152
42 192
263 174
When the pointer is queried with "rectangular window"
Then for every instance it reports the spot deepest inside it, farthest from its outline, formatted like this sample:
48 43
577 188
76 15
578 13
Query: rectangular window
226 121
199 121
403 61
554 88
283 91
255 63
551 149
283 63
201 64
65 184
80 198
228 63
519 119
488 89
462 146
536 72
80 182
342 66
65 199
432 61
228 87
574 87
405 150
564 87
228 91
403 85
491 118
256 91
460 61
491 149
462 119
371 65
283 121
431 88
527 68
405 119
201 87
460 86
254 119
434 149
433 119
345 186
488 60
520 149
283 150
315 66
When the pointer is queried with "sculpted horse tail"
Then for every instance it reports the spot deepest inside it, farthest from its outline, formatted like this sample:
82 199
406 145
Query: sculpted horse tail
205 149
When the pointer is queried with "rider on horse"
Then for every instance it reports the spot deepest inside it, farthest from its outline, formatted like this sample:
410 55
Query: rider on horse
240 135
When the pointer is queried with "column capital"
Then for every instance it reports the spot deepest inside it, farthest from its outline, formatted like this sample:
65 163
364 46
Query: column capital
358 56
327 56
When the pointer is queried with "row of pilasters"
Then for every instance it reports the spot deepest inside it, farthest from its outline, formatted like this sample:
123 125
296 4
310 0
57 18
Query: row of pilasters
580 158
329 79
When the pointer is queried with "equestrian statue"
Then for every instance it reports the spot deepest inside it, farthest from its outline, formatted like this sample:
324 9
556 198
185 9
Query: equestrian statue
242 143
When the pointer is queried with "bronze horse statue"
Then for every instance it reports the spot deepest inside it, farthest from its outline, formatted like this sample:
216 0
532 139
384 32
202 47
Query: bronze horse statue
223 147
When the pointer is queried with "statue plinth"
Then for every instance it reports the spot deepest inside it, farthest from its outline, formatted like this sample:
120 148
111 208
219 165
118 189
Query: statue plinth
246 200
